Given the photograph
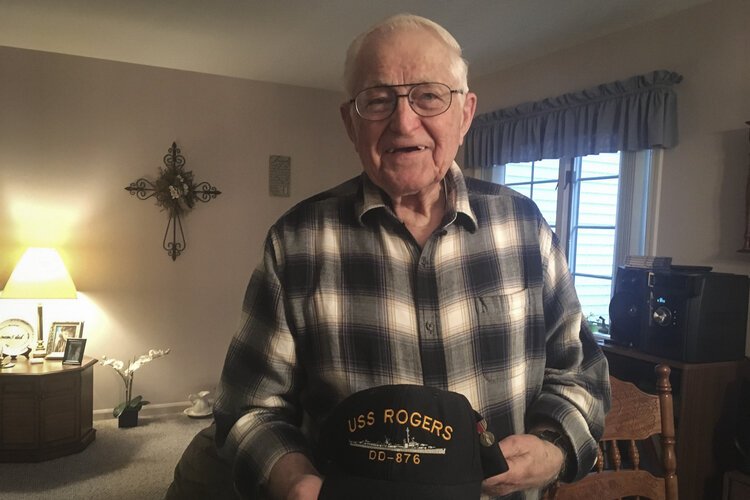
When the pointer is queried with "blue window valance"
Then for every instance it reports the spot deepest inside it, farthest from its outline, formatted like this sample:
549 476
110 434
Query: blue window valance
628 115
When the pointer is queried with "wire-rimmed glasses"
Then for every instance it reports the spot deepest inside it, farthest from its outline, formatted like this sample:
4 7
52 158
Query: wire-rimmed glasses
426 99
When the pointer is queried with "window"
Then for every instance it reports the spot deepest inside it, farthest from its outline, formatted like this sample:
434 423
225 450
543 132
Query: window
599 206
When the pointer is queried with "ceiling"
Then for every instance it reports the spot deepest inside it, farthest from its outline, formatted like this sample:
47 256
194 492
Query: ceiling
303 42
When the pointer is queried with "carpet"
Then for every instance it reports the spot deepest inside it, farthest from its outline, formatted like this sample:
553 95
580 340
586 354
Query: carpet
121 464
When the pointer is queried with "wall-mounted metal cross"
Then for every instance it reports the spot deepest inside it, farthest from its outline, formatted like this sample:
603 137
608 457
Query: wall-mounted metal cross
175 192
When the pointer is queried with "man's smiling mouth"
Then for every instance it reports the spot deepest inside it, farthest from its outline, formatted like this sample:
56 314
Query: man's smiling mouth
409 149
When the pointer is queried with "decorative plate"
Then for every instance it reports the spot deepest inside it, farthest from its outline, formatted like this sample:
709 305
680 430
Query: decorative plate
16 336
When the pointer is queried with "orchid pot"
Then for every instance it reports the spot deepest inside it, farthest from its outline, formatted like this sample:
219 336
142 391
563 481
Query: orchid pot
128 418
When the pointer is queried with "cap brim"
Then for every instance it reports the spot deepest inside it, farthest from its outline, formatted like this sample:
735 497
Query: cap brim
350 487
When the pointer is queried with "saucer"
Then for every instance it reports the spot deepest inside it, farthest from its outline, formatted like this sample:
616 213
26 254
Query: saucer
190 412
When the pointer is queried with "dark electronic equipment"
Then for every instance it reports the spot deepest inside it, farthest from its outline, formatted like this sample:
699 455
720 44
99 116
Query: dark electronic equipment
684 313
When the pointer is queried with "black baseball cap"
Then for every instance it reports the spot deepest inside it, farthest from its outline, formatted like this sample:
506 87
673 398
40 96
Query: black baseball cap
407 442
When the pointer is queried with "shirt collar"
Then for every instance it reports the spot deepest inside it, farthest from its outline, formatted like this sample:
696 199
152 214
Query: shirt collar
374 198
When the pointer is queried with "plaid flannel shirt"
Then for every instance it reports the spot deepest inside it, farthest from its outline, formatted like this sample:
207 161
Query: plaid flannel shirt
345 299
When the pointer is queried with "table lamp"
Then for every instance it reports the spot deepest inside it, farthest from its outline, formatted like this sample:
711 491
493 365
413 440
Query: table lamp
40 274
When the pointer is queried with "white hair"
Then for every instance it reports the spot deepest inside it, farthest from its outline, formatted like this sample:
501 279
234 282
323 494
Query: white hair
457 65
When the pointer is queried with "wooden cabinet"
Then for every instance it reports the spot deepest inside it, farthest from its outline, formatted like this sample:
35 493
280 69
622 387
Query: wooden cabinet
736 486
705 407
46 410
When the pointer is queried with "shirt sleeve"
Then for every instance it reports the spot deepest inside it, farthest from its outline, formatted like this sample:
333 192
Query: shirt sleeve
575 394
257 412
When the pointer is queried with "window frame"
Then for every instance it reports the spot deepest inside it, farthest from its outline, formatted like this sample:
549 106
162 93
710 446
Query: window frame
636 221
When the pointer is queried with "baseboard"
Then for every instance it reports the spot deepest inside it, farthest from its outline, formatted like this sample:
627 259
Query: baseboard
148 410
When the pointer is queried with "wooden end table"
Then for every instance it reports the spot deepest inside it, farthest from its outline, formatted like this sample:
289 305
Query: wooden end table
46 410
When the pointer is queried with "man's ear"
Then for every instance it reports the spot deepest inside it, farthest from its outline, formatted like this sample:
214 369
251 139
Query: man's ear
346 116
467 113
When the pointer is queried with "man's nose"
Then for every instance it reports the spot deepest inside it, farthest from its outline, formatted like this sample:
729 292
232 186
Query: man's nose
404 115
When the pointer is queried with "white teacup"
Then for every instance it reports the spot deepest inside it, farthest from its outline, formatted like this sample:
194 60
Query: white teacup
201 405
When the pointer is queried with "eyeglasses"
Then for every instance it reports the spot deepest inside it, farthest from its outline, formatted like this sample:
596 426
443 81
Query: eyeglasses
426 99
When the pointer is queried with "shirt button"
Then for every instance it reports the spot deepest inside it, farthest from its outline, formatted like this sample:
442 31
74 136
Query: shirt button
424 262
429 326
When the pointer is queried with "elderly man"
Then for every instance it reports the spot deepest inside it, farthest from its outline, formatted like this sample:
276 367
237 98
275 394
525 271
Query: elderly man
411 274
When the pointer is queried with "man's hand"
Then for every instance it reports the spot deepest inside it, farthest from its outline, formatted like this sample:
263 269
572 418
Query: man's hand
306 487
532 463
294 478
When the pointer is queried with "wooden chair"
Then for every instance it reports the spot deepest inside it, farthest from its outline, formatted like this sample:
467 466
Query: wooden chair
634 417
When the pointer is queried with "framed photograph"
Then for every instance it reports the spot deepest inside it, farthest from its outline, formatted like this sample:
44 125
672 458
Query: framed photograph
73 354
59 333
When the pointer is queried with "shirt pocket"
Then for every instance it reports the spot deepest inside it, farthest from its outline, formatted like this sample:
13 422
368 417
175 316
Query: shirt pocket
501 322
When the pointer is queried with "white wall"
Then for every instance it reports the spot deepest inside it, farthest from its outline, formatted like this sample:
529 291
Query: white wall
74 132
701 219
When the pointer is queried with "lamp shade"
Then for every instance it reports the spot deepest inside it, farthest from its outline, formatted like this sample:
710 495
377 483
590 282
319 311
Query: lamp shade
40 274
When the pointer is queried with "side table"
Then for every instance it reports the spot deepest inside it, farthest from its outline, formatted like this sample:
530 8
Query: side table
46 410
736 486
705 397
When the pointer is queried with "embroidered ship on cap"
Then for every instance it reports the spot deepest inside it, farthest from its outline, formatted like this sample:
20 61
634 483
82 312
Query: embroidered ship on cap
409 445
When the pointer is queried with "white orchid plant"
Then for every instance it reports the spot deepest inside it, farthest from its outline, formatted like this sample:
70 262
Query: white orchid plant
126 374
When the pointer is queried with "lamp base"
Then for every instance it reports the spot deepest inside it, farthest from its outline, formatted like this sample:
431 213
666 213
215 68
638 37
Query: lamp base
37 356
